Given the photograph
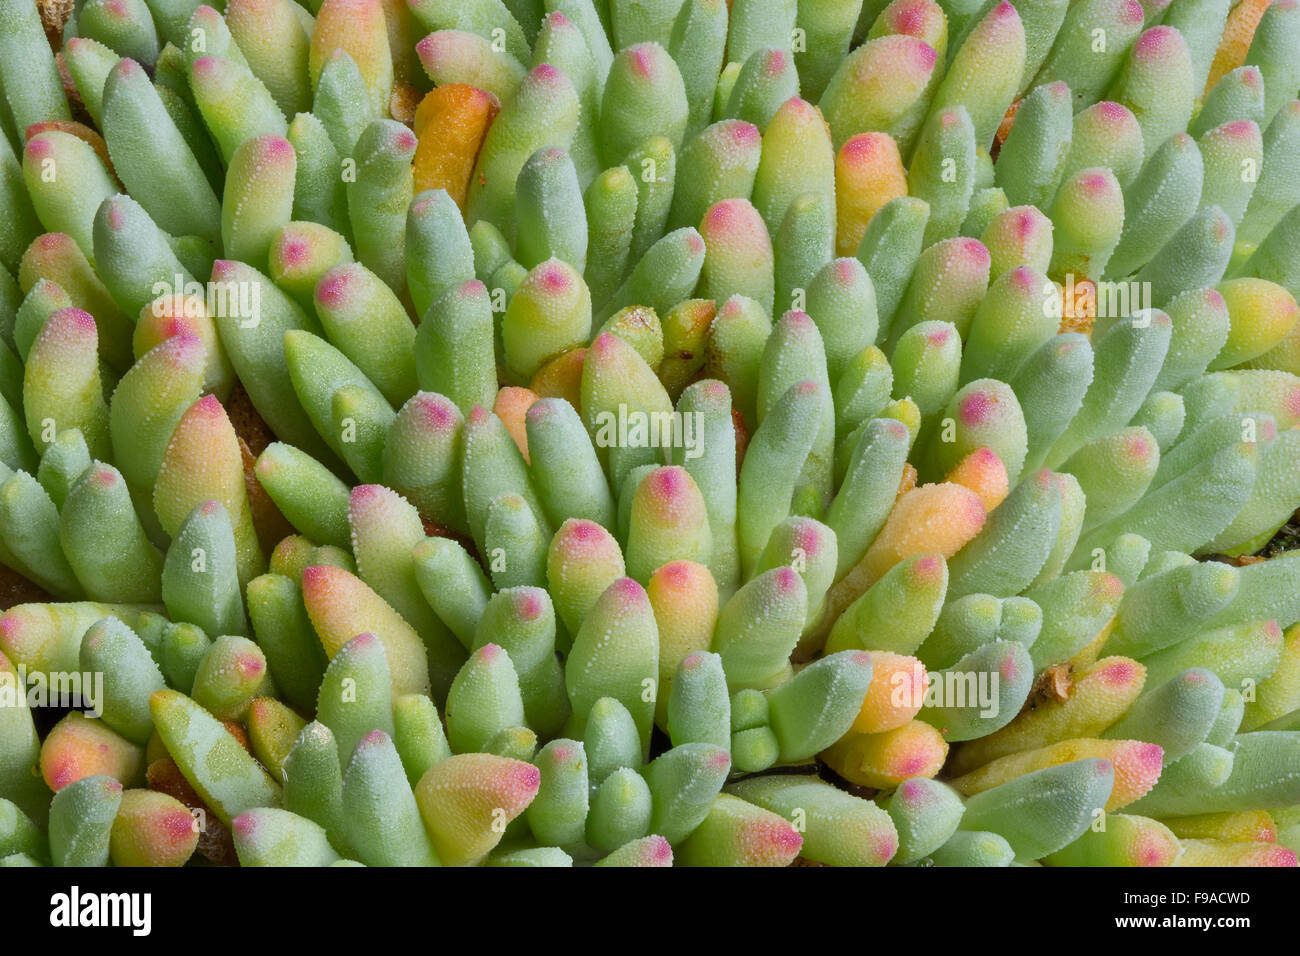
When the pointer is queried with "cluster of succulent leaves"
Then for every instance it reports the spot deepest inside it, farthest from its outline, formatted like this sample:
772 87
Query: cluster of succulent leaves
866 259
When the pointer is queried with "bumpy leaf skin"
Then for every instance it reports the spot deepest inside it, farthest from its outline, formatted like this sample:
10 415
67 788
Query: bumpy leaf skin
611 740
620 810
152 829
462 798
737 833
20 753
1242 652
558 815
924 20
1216 489
942 172
867 493
549 313
285 635
797 159
683 784
1238 95
30 77
66 182
381 817
983 414
973 848
1275 34
881 86
1177 715
885 760
219 769
889 250
615 653
385 529
522 622
61 385
1277 692
769 473
29 528
460 57
231 674
1261 314
685 601
699 710
896 612
111 646
1004 661
1114 471
181 649
364 319
652 850
561 42
1162 609
152 158
1088 213
810 548
54 260
925 813
818 705
1106 134
1101 694
794 354
1195 256
965 624
21 224
984 73
803 245
203 462
1251 784
1127 841
1156 84
1009 326
549 211
313 782
104 541
1136 763
81 820
273 728
755 655
418 735
1073 57
544 111
1031 163
1043 811
341 606
841 830
311 496
1201 23
1162 197
767 78
200 577
269 837
868 175
263 355
947 284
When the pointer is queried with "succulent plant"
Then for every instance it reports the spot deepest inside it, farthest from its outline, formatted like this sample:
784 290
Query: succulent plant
501 432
